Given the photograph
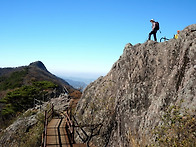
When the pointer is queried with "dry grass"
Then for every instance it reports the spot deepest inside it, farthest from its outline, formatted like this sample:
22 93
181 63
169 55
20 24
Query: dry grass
135 140
178 128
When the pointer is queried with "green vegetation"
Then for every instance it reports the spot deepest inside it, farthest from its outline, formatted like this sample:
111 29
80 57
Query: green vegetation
23 98
178 128
44 85
14 80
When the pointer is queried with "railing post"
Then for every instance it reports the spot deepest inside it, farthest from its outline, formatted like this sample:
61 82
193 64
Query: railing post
46 123
73 133
44 139
52 110
48 114
70 115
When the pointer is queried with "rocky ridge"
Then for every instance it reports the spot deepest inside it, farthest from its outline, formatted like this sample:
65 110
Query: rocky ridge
141 85
35 71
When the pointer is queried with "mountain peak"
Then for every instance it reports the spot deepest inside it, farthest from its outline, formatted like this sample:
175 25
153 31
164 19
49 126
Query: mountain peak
38 64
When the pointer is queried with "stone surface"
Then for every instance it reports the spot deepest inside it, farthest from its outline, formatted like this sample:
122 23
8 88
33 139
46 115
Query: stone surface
145 80
61 103
12 134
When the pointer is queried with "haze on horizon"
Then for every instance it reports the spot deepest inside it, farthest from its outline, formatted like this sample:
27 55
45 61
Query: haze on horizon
83 38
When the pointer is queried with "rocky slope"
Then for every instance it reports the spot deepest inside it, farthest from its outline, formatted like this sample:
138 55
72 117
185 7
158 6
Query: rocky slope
141 85
27 130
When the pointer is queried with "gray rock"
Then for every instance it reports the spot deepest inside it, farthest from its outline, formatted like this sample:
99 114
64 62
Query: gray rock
13 132
61 103
146 79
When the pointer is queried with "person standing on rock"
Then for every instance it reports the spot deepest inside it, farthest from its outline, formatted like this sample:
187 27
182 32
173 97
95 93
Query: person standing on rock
155 28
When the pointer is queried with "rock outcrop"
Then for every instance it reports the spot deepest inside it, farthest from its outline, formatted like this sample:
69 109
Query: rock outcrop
141 85
14 134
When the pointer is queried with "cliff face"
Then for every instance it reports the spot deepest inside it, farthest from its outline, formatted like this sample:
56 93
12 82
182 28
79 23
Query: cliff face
141 85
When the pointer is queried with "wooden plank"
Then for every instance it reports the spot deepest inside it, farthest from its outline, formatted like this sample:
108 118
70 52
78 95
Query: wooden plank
79 145
52 133
54 123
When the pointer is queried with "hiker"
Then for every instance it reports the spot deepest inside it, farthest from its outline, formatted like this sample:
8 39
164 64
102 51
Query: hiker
155 28
176 36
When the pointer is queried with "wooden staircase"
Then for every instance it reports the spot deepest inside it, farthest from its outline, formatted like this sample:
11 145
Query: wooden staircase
58 132
57 135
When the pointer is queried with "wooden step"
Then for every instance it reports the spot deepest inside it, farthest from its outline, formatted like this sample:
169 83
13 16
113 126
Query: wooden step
53 134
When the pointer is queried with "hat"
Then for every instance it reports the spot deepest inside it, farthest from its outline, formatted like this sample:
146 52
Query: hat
152 20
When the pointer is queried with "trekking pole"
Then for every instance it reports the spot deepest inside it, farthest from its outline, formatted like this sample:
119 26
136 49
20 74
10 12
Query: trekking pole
164 38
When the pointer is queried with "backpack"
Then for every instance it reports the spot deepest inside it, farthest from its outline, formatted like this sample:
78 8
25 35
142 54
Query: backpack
156 26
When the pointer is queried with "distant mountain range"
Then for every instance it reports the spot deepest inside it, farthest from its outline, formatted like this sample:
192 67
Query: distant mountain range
77 84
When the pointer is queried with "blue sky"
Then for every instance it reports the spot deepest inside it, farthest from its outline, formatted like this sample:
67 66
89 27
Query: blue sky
83 37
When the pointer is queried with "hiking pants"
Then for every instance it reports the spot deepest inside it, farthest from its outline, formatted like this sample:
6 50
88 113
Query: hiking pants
154 33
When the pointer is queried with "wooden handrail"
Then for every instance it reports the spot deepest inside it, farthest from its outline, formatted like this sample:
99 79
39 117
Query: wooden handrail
47 114
68 121
70 128
92 127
